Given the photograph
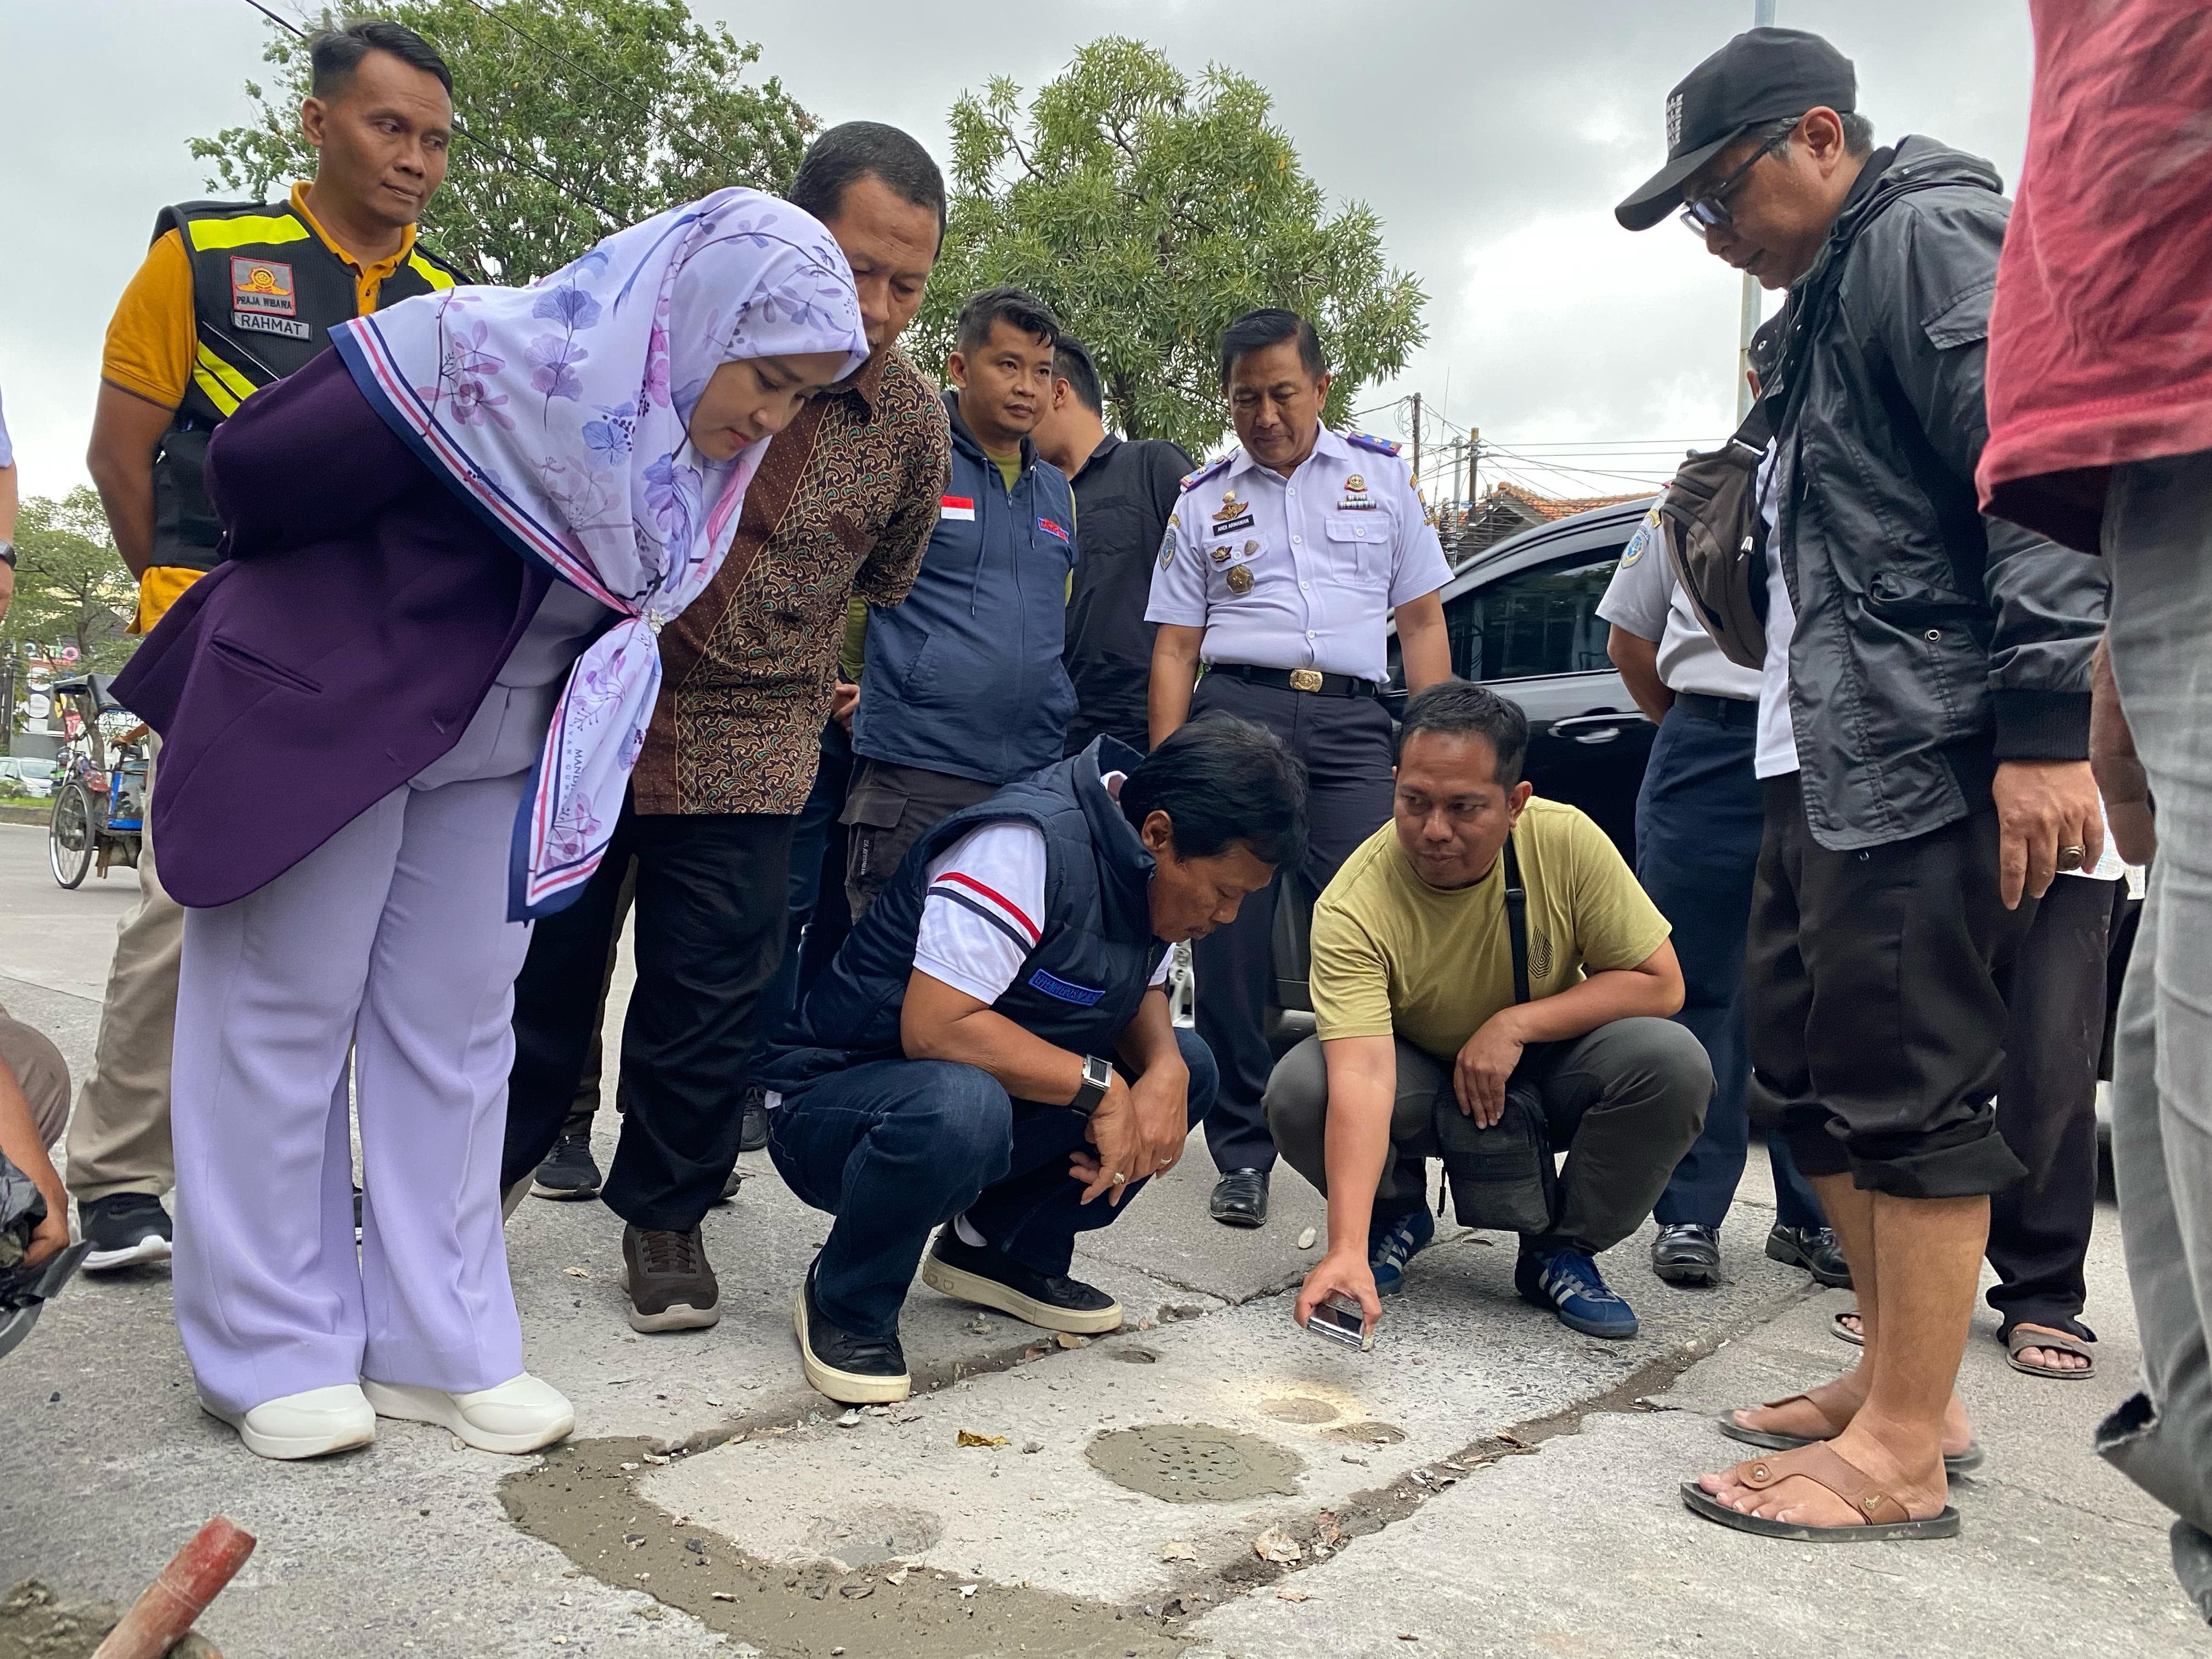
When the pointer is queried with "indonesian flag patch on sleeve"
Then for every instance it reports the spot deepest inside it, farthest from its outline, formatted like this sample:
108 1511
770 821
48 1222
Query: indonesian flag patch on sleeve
957 507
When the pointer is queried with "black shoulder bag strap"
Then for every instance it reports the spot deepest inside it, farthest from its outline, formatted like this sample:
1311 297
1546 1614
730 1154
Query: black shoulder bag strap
1516 922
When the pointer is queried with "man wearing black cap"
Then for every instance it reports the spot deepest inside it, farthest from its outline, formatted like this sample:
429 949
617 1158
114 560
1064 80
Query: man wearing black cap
1924 714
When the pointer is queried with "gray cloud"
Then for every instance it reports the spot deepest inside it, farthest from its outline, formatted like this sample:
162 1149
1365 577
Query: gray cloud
1491 137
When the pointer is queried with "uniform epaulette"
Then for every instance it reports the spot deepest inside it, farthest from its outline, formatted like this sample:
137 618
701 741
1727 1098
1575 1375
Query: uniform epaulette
1364 441
1207 471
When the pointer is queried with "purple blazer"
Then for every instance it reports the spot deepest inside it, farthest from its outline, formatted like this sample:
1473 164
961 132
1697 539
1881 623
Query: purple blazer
358 620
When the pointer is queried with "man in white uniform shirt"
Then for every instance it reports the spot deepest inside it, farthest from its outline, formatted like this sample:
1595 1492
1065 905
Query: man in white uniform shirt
1284 563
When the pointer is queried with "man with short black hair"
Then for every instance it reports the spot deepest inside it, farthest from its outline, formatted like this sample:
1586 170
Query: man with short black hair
842 504
1431 995
955 1067
1125 490
232 296
1283 586
1923 731
964 690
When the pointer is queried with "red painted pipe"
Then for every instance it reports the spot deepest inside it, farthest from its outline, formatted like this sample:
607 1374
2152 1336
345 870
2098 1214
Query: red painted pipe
163 1616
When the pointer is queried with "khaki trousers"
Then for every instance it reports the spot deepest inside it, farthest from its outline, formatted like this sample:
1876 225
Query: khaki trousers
40 1071
118 1139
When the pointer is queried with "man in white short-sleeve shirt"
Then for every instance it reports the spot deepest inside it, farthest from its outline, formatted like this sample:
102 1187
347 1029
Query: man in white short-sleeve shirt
990 1053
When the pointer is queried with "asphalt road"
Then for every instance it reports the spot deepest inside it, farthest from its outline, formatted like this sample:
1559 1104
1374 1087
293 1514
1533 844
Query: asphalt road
1483 1483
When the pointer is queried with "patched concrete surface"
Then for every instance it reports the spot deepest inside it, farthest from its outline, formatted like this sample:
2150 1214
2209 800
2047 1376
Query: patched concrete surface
888 1540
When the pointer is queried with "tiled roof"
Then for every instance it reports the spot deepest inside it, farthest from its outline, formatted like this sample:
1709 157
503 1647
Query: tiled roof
1550 508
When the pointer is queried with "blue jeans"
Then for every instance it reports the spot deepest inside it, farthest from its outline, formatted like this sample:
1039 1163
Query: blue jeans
898 1147
1698 819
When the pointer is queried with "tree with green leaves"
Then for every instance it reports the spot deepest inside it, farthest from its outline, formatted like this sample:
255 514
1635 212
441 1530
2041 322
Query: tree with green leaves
1150 211
71 587
580 116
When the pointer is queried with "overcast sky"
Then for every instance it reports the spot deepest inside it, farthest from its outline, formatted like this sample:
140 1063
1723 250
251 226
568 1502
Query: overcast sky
1492 137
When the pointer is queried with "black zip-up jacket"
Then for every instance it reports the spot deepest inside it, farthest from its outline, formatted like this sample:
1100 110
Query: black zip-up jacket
1930 643
1124 495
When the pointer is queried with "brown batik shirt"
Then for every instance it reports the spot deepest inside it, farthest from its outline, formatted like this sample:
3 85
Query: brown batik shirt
844 503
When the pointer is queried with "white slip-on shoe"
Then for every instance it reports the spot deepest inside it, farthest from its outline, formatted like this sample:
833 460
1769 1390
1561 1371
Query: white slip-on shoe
519 1415
311 1424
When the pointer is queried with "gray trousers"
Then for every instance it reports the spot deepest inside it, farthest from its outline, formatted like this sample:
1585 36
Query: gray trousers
2158 541
1625 1100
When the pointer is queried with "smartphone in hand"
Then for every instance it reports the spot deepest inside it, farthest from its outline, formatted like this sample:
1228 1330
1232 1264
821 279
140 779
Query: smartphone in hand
1338 1319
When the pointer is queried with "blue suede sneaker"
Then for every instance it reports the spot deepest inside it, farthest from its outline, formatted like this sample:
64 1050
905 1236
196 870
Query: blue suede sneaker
1391 1247
1566 1281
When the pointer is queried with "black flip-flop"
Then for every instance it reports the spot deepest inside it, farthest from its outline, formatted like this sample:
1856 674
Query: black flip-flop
1822 1465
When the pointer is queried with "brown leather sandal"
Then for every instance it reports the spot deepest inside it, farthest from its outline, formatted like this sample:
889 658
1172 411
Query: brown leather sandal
2026 1336
1886 1518
1964 1462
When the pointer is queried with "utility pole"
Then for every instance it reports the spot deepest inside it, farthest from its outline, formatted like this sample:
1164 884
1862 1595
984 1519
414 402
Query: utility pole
1417 436
1762 17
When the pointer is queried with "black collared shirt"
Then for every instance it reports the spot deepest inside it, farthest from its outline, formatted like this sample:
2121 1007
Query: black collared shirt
1124 495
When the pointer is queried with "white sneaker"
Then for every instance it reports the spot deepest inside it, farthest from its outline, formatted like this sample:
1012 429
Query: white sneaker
311 1424
519 1415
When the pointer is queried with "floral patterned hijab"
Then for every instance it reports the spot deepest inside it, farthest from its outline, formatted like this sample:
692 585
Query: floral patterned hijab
558 412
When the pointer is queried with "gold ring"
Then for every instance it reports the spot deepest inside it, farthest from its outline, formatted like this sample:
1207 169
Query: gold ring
2069 858
1119 1179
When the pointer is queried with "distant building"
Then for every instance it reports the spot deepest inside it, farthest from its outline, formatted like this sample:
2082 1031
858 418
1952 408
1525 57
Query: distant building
1509 509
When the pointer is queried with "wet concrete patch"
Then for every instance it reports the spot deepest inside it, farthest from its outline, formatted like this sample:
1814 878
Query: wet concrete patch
1300 1408
581 1499
1195 1463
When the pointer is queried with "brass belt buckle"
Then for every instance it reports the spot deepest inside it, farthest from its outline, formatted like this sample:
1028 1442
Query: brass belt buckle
1305 679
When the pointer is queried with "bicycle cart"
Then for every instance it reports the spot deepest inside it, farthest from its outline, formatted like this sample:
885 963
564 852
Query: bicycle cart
100 784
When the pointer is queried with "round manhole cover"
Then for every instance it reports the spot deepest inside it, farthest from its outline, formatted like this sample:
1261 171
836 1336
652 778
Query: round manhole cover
1195 1462
1300 1408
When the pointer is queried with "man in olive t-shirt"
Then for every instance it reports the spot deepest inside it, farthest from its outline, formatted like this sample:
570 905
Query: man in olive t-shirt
1413 994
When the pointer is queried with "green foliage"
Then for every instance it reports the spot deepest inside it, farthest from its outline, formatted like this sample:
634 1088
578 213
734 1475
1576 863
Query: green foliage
1151 211
72 586
624 107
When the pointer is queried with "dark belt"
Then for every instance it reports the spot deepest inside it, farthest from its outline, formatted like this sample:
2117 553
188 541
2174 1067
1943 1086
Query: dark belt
1725 711
1297 679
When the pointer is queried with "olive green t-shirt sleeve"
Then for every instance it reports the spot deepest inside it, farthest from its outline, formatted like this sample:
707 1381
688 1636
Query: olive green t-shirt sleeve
1349 979
1616 923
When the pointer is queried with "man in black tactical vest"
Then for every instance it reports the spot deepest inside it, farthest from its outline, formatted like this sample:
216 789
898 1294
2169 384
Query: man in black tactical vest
954 1064
232 295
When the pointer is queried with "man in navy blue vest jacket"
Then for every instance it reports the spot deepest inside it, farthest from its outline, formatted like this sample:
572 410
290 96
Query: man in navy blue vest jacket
963 690
956 1065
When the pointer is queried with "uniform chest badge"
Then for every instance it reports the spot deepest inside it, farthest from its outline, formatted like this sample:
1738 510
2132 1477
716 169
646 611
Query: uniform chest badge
1233 514
1356 498
261 285
1240 579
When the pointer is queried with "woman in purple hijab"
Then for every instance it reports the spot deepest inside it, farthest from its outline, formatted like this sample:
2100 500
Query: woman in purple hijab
396 723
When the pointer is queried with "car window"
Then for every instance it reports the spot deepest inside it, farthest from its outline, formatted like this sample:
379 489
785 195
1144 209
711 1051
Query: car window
32 767
1542 620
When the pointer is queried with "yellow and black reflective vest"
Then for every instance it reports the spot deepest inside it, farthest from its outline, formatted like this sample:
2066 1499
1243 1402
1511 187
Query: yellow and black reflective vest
266 291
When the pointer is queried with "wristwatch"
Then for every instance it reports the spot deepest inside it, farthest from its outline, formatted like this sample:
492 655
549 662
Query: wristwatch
7 554
1097 1078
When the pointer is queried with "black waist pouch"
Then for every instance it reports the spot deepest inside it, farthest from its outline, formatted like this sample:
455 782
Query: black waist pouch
1502 1179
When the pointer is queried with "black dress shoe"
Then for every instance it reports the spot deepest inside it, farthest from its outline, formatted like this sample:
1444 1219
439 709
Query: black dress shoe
1240 1199
752 1134
1052 1302
1812 1249
1686 1253
853 1371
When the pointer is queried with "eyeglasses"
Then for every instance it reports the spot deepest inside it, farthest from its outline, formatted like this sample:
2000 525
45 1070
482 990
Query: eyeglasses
1709 212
